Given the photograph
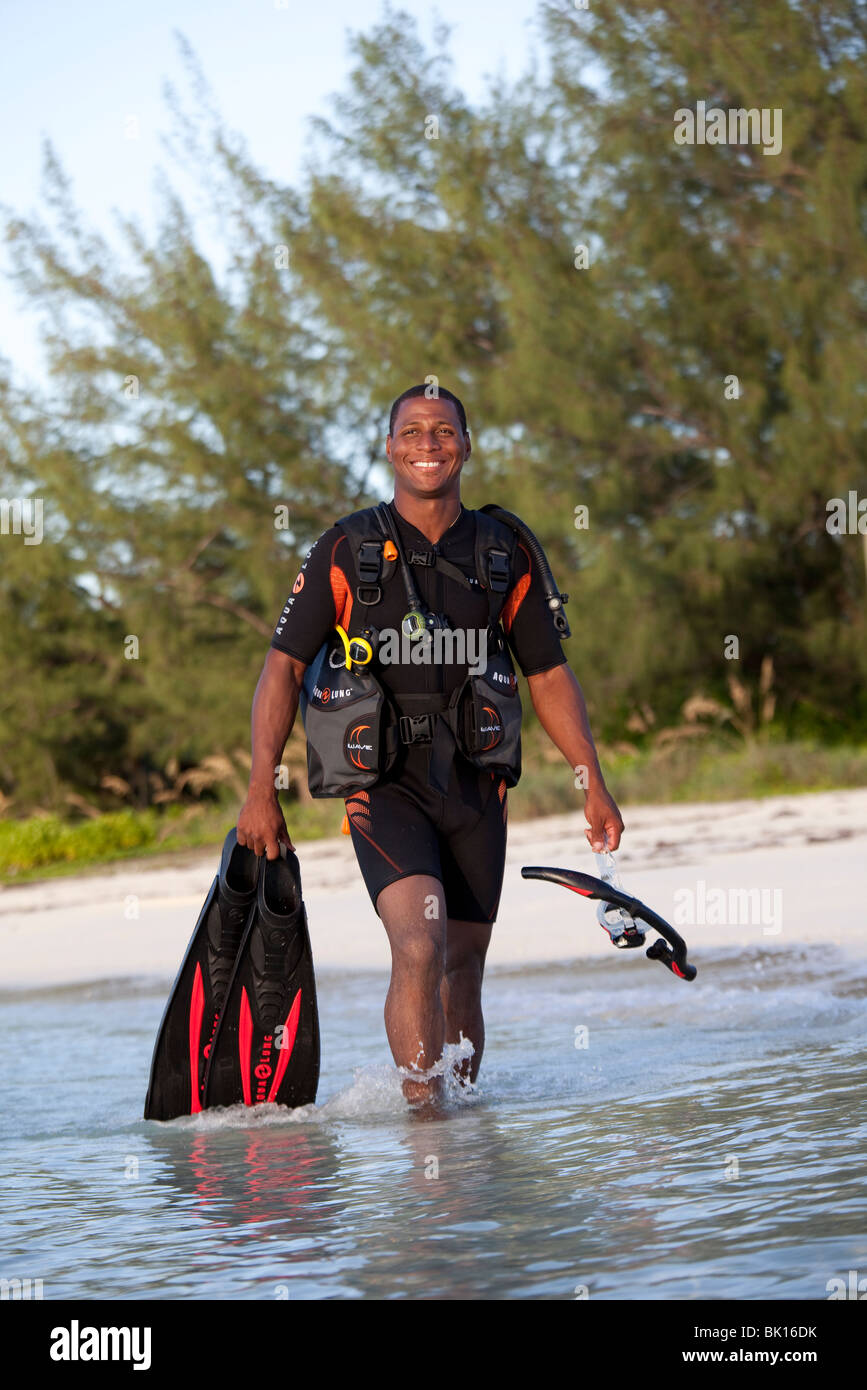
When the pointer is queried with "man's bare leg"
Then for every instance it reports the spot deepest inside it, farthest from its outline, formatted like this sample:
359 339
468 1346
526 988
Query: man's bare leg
461 989
413 912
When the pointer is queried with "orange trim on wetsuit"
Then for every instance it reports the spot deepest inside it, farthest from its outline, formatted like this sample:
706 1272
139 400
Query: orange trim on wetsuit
518 594
340 590
359 815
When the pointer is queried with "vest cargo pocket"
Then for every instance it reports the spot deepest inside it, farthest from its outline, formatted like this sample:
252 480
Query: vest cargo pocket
346 718
489 719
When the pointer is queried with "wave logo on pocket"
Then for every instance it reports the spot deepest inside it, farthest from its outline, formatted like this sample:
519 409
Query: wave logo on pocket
355 748
495 728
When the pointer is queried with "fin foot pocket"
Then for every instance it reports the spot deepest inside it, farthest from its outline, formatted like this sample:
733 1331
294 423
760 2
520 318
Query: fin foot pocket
266 1048
189 1023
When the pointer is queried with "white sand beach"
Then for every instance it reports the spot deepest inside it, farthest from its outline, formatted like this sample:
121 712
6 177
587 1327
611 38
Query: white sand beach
792 870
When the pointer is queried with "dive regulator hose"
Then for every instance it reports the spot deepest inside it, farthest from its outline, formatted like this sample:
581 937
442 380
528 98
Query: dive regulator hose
554 599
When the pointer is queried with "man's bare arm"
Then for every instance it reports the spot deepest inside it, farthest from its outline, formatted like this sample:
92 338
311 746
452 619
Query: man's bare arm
559 702
261 825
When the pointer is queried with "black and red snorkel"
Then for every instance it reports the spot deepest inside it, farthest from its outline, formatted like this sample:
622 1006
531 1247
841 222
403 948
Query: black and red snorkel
671 950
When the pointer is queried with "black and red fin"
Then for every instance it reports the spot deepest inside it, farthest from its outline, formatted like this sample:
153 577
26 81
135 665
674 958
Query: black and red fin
191 1016
267 1045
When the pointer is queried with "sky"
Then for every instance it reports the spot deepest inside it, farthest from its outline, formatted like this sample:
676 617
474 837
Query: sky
78 74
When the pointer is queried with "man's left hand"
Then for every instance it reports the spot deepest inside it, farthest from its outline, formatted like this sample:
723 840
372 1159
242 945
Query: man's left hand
600 809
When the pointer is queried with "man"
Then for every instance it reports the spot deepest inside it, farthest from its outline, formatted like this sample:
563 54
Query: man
432 863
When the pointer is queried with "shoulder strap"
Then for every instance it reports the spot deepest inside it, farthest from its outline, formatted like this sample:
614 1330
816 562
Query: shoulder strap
366 542
496 548
494 557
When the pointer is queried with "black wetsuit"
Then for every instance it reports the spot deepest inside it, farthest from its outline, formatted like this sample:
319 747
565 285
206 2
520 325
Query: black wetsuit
402 826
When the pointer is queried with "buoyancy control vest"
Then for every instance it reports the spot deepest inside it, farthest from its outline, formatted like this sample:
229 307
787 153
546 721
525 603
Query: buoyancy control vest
355 726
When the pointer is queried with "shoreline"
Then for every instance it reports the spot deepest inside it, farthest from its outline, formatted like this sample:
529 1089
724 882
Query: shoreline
134 919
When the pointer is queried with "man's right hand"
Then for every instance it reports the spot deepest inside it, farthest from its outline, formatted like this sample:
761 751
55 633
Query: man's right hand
261 826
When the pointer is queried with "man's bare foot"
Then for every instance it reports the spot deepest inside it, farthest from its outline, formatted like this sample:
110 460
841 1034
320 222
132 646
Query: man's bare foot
423 1093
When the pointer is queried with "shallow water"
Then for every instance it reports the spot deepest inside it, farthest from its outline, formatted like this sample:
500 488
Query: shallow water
707 1142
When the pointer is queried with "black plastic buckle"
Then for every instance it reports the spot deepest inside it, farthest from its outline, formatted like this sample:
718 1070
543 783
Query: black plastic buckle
369 571
498 571
421 557
416 728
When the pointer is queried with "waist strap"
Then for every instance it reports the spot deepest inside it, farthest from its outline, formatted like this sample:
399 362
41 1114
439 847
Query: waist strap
424 701
424 718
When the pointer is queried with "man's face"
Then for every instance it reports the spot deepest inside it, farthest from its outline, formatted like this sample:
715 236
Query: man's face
428 447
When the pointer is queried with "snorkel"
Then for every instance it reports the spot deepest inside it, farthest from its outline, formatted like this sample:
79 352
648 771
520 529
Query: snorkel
671 949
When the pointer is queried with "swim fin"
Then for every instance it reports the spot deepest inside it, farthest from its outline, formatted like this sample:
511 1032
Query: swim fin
266 1046
177 1080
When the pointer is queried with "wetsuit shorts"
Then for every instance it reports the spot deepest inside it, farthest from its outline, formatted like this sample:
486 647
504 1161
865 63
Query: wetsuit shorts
404 827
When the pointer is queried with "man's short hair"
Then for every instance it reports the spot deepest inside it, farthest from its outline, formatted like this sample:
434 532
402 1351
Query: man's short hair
426 391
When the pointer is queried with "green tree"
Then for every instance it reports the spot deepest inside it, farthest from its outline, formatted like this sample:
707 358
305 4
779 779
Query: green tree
591 287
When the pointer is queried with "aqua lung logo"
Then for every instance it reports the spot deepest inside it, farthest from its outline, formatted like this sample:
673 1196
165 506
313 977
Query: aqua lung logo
327 695
263 1069
209 1044
296 589
510 680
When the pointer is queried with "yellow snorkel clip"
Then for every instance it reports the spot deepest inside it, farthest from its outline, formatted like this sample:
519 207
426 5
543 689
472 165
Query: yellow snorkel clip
356 649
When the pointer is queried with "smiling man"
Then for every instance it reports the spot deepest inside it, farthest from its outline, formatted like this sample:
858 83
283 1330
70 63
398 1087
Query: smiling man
430 833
